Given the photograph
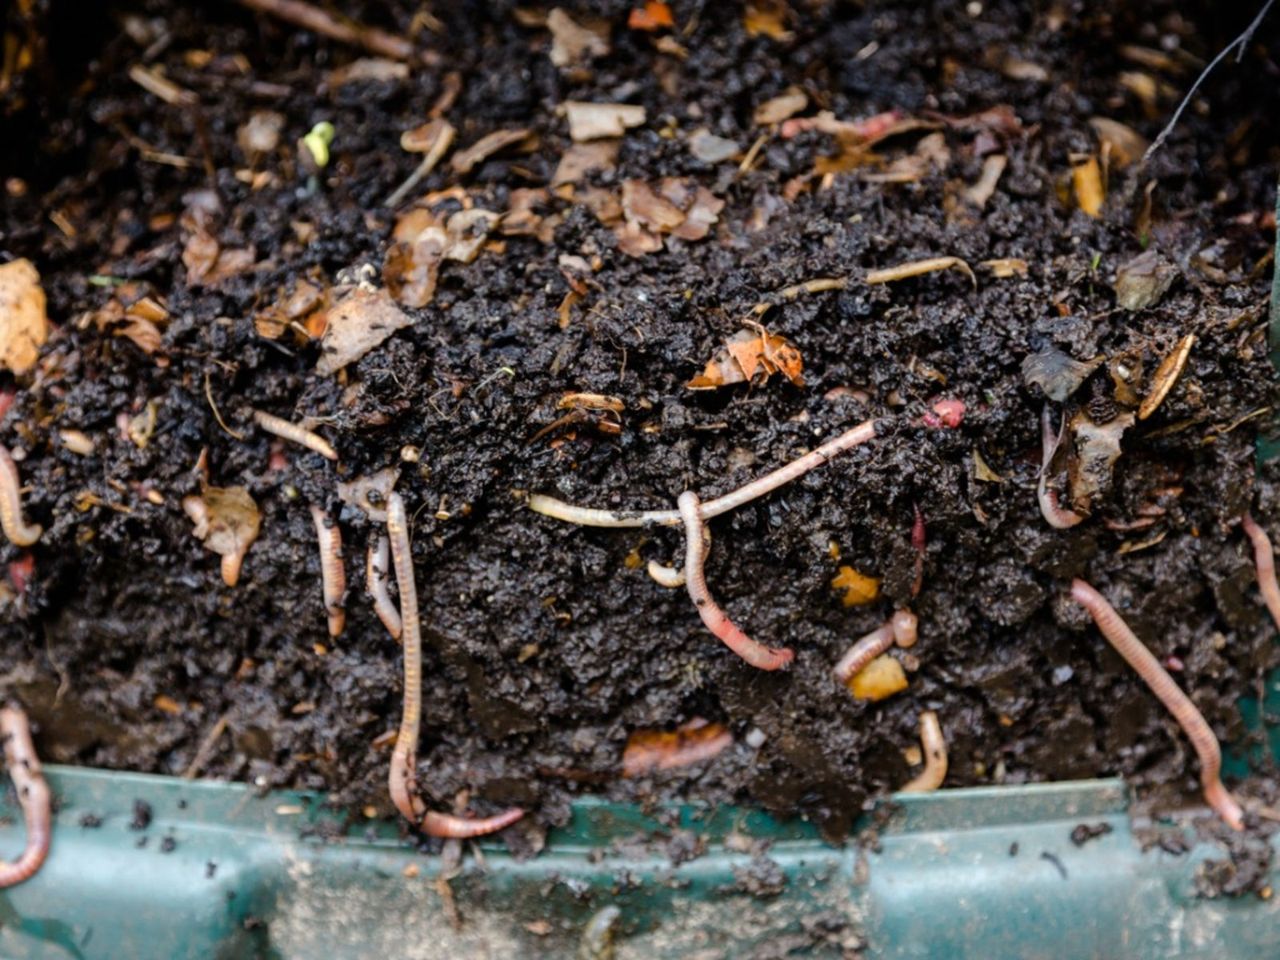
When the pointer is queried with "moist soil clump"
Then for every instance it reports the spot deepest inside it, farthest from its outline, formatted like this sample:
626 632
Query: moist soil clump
547 645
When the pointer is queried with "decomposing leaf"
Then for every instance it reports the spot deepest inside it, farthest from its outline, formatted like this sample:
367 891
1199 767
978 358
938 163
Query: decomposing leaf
24 322
857 588
747 353
655 15
423 240
1086 178
674 207
260 134
767 18
651 750
1167 375
572 43
1056 373
1005 267
358 322
881 678
583 158
208 263
982 470
370 492
370 70
643 205
523 219
1097 447
593 121
709 148
464 161
1124 144
781 107
227 520
302 309
1142 281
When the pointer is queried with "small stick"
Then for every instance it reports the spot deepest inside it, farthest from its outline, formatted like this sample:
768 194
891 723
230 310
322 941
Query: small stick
33 796
1056 516
1198 731
217 414
333 574
664 576
918 268
376 568
787 294
935 757
207 746
900 629
311 18
438 149
945 414
717 621
1264 559
19 532
291 431
403 773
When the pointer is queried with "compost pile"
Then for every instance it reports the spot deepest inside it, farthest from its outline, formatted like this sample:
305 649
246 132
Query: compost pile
562 304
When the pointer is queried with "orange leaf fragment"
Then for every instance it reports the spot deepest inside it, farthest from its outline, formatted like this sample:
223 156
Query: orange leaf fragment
881 678
747 353
1086 177
653 16
857 587
695 742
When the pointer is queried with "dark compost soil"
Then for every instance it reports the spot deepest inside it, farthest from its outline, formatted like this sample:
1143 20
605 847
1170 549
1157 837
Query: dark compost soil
546 643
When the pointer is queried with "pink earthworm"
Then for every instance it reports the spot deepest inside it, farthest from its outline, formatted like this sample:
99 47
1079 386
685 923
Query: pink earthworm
377 568
403 773
900 629
291 431
33 796
1264 559
333 574
717 621
1176 702
934 745
19 532
1058 517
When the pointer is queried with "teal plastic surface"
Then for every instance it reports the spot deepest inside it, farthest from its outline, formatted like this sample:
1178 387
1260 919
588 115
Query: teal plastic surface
991 872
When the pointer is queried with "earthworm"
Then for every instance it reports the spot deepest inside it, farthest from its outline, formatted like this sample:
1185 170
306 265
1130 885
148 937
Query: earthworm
376 568
918 544
1265 560
1126 644
717 621
1056 516
935 757
946 414
900 628
403 774
19 532
333 574
291 431
665 576
33 795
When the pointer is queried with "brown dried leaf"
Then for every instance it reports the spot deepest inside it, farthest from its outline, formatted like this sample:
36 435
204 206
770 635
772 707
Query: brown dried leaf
464 161
644 206
767 18
781 107
142 332
370 492
1143 280
208 263
650 750
572 43
24 321
635 241
466 232
701 215
1126 145
1086 178
1167 375
357 323
373 69
583 158
593 121
227 520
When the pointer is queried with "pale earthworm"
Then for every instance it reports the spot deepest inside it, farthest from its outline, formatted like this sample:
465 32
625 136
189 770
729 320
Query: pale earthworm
33 796
333 573
377 567
403 774
291 431
1058 517
1265 561
901 628
1126 644
717 621
934 746
19 532
670 577
946 414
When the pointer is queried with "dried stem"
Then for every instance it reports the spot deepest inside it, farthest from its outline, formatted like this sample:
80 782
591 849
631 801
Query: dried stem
291 431
33 796
717 621
404 761
319 21
19 532
1264 559
1056 516
1176 702
934 746
333 574
376 569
